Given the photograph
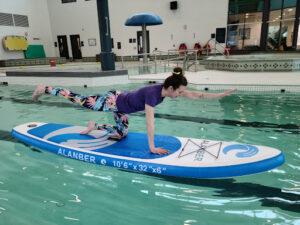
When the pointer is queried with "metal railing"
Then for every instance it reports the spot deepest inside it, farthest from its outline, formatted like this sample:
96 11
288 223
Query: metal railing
187 58
216 43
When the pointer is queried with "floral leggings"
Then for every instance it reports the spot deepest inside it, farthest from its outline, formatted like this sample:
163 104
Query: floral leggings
105 103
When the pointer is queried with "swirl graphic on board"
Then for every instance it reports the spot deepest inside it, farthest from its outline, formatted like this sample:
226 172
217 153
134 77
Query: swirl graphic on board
70 136
245 150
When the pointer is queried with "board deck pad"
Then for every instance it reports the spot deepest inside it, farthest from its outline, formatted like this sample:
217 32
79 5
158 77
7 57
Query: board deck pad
188 157
134 145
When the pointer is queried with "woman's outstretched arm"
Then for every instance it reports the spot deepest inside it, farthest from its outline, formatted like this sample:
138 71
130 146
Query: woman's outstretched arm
198 94
150 131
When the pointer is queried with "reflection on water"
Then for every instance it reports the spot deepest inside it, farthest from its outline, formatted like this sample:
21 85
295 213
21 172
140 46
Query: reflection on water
241 192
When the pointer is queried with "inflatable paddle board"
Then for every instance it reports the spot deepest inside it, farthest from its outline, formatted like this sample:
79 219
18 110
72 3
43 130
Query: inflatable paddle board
188 157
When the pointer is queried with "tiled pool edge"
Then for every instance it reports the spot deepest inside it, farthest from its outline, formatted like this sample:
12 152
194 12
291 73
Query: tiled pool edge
252 63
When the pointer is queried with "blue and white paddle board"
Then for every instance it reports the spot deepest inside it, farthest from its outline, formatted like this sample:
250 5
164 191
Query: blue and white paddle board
188 157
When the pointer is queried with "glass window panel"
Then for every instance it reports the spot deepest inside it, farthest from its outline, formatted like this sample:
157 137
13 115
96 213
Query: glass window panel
273 35
233 8
298 41
275 4
286 41
289 13
252 36
233 38
235 19
275 16
244 6
289 3
253 17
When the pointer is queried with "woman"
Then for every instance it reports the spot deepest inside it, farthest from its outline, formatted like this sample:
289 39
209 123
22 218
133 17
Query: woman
121 104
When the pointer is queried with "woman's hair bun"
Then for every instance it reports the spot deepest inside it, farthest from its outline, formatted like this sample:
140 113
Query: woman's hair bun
176 79
177 71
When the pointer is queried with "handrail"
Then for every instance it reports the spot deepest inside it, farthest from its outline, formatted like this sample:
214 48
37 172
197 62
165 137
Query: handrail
184 58
217 43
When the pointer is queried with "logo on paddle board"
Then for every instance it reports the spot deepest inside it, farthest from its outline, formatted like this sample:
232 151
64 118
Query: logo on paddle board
245 150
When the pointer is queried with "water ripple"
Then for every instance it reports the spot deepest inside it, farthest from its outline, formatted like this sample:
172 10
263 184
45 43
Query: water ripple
277 171
284 200
294 167
291 191
76 198
266 214
192 199
88 174
2 209
292 182
187 222
70 218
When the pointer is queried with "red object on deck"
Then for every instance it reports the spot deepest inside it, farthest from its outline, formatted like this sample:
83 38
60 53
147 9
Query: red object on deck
198 46
228 52
52 62
182 47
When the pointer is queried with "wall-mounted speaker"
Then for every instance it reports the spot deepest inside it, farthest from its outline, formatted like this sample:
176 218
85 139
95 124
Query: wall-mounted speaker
173 5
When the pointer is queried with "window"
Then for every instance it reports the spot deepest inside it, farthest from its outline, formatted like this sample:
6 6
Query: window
244 24
21 20
245 6
281 24
6 19
289 3
298 41
247 25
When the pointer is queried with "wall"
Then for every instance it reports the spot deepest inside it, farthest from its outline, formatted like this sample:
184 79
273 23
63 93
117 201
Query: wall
75 18
200 17
39 25
192 22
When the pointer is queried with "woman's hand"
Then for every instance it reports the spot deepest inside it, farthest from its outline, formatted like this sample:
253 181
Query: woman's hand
160 151
227 93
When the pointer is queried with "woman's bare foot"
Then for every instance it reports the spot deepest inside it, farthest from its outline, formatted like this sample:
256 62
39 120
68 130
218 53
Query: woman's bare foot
40 89
91 127
115 137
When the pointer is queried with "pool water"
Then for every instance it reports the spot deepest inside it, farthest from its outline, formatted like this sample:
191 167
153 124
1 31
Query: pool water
37 187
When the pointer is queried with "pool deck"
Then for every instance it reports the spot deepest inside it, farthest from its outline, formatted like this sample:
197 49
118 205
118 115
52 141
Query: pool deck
219 80
73 74
201 80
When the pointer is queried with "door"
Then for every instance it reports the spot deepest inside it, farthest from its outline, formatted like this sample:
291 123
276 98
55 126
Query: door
63 46
76 48
140 43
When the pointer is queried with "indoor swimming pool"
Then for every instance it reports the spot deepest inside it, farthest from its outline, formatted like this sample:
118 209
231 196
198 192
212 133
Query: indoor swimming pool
37 187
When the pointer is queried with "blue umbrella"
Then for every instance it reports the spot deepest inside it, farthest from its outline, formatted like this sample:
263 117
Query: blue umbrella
143 19
139 19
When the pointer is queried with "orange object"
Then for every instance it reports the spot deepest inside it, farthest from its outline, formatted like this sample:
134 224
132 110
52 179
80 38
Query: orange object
207 48
228 52
182 46
52 62
198 46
